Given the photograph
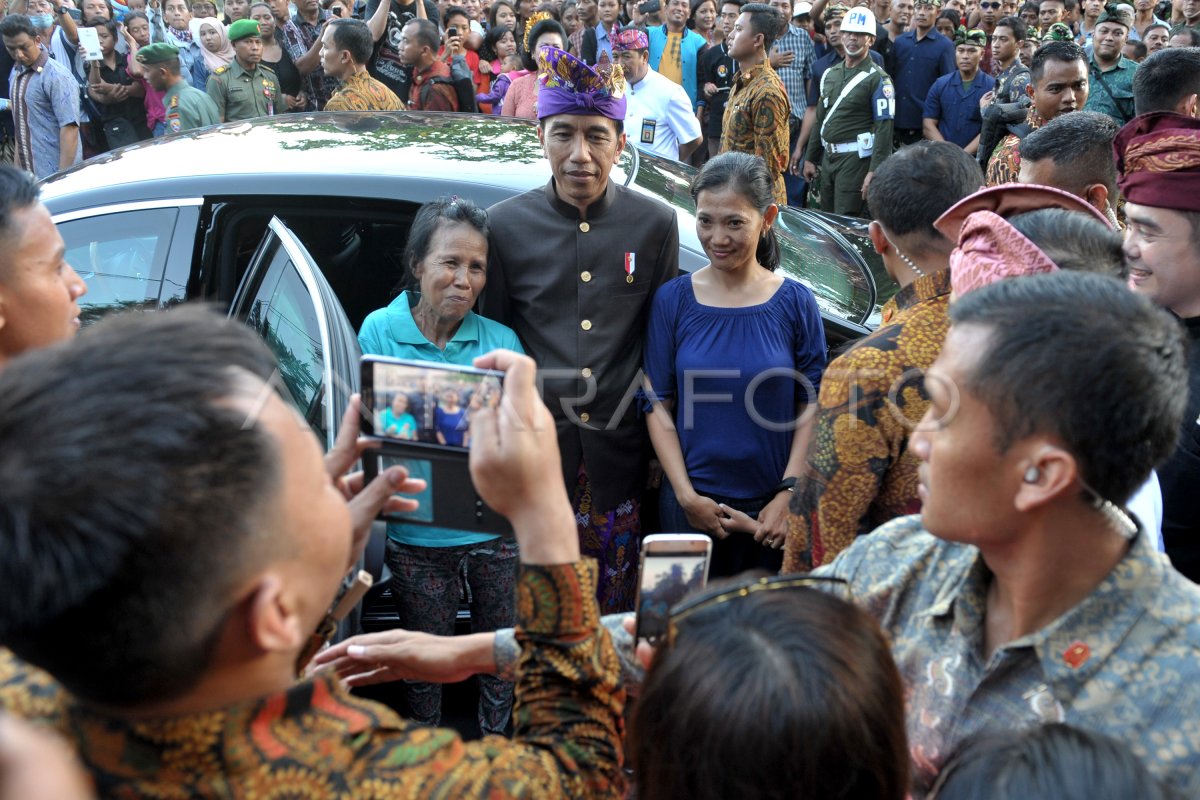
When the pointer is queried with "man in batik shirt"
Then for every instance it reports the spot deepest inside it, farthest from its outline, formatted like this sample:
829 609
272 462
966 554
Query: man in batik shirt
758 112
1058 85
234 572
860 472
346 47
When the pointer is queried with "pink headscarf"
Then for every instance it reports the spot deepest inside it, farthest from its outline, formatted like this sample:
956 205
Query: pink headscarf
989 248
224 55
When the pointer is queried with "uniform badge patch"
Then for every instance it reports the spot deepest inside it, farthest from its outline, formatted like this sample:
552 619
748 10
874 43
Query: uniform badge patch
722 71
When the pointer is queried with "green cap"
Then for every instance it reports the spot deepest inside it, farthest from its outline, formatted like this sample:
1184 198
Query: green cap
1118 13
157 53
242 29
1058 32
974 37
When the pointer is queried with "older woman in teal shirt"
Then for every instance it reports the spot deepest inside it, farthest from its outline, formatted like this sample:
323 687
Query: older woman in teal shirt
433 568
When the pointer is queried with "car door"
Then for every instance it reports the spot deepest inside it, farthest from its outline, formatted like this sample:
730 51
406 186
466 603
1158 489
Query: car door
287 301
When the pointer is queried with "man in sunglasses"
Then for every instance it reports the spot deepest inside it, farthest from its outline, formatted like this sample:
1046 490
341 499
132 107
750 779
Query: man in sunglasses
989 17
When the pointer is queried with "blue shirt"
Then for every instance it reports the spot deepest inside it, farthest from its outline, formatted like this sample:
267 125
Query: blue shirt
391 331
45 99
689 49
917 65
957 109
603 41
733 444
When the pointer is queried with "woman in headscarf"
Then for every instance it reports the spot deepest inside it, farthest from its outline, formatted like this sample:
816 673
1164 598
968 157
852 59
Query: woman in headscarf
215 49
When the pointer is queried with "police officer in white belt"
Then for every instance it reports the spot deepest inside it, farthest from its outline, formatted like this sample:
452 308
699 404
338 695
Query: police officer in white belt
854 121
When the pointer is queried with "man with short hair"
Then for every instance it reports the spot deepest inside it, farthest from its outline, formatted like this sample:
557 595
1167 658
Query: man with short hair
853 127
989 16
39 291
1143 18
1156 37
589 15
1159 177
1050 12
239 546
860 471
1058 85
186 106
919 57
1110 73
1022 594
1092 9
246 88
717 71
757 115
573 268
1168 81
1012 76
44 99
901 16
304 49
1074 153
952 107
658 114
1184 37
675 48
346 47
598 38
432 85
792 57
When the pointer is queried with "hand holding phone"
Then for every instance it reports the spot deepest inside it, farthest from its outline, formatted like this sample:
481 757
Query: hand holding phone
673 565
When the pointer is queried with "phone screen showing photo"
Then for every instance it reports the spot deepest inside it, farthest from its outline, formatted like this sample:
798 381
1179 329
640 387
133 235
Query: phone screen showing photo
665 580
427 404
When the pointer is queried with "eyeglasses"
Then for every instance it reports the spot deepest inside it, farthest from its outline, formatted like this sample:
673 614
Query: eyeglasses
724 594
989 5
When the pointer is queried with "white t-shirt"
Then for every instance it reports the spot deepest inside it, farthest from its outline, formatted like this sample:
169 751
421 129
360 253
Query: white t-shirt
659 116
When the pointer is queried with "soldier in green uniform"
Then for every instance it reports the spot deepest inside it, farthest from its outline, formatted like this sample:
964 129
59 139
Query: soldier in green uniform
852 133
187 107
245 89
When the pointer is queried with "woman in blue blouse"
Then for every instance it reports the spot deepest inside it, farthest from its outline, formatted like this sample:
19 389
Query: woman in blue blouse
734 354
432 568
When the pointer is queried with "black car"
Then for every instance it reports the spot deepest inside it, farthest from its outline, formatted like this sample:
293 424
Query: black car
297 224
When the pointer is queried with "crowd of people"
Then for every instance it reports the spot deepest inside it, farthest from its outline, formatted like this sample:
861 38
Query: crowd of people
956 560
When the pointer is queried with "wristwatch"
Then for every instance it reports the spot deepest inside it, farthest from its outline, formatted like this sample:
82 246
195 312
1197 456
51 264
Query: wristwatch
785 485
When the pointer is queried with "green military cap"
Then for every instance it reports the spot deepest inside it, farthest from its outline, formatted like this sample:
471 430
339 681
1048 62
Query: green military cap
243 29
934 3
1058 32
836 11
1118 13
157 53
974 37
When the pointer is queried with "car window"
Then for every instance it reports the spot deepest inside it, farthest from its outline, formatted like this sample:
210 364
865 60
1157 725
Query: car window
819 261
283 314
121 256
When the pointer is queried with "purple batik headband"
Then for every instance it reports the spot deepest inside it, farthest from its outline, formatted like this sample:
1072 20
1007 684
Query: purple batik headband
567 85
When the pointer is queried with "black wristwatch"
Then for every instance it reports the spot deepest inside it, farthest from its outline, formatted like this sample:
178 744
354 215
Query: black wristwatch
785 485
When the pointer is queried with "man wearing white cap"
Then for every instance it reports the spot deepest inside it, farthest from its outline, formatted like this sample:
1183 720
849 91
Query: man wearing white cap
852 134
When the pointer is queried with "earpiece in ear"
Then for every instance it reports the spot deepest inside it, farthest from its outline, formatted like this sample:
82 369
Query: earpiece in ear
1032 475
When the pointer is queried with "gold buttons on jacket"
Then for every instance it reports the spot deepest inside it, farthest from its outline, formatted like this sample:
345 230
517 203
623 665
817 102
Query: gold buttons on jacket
583 226
586 372
585 276
586 324
584 417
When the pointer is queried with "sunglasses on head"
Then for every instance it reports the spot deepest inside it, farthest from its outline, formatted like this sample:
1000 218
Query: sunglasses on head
724 594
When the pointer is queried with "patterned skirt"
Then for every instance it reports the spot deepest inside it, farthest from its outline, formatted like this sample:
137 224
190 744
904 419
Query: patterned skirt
612 537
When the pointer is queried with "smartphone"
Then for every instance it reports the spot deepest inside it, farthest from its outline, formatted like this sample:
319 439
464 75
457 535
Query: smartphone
673 565
90 40
451 31
421 402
